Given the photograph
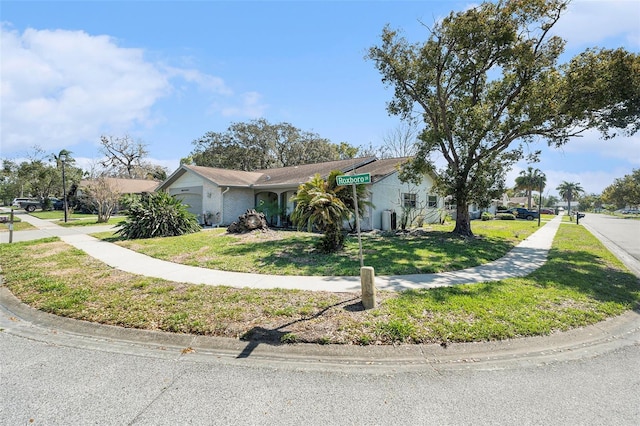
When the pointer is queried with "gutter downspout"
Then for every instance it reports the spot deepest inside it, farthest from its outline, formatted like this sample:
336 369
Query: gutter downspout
222 206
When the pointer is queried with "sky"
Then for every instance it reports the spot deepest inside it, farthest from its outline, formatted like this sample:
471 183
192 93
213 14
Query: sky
167 72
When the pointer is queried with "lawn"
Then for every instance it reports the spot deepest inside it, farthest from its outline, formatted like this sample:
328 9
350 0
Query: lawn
293 253
74 219
582 283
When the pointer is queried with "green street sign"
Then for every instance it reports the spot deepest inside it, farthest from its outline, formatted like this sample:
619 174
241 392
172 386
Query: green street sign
353 179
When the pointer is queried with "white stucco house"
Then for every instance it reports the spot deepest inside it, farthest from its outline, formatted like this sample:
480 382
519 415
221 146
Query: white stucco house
219 196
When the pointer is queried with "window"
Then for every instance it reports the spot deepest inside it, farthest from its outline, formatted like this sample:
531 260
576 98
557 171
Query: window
432 201
409 200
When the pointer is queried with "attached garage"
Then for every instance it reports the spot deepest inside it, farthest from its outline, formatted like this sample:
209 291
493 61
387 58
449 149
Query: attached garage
191 196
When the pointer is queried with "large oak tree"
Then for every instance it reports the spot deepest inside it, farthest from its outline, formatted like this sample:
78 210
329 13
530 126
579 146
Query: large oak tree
487 80
258 144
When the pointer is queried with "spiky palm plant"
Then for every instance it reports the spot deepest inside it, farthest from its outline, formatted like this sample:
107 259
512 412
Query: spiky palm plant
317 206
157 215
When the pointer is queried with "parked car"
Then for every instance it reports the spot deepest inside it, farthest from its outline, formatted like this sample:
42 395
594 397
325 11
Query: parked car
16 201
31 204
57 204
522 213
547 211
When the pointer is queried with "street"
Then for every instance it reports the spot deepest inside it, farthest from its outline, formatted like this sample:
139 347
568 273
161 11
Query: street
52 384
621 236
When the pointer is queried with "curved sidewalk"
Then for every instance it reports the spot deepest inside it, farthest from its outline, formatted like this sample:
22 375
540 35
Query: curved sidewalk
529 255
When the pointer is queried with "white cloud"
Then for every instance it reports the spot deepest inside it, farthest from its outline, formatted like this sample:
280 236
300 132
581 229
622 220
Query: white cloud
250 106
204 81
620 148
61 88
594 22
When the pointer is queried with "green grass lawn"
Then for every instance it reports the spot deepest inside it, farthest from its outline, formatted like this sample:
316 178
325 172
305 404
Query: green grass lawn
74 219
582 283
293 253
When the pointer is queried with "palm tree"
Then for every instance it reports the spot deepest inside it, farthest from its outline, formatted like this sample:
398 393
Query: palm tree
317 205
567 191
345 194
529 180
325 205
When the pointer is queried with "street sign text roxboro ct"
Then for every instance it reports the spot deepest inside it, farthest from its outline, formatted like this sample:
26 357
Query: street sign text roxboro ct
354 179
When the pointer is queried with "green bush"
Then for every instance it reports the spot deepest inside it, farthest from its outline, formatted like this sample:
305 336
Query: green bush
505 216
486 216
331 241
157 215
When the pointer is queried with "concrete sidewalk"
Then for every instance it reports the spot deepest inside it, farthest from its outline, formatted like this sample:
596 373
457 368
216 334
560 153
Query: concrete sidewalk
529 255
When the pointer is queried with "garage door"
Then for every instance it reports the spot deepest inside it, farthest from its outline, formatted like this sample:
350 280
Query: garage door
193 202
192 197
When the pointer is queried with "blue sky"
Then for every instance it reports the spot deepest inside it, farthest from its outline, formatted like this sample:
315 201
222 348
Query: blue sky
167 72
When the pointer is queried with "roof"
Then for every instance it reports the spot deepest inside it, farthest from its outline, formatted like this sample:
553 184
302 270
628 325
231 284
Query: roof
288 176
126 186
522 200
226 177
380 169
296 175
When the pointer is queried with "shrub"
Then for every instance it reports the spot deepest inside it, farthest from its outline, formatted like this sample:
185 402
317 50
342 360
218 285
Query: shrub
505 216
486 216
331 241
157 215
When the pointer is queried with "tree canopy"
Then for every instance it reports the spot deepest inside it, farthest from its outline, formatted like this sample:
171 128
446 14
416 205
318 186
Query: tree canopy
126 158
40 176
624 192
259 144
487 81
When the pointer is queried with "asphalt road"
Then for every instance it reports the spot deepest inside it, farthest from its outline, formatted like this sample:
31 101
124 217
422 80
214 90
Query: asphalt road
44 383
621 236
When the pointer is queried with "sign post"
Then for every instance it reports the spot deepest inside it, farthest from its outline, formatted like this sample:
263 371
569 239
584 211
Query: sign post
354 180
367 274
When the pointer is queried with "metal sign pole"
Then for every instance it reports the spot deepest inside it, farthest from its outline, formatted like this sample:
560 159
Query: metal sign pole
357 213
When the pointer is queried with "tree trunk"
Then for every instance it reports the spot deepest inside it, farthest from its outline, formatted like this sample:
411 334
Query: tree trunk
463 223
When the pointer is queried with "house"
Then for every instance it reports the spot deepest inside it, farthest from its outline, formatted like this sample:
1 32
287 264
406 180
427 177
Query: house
123 186
523 202
219 196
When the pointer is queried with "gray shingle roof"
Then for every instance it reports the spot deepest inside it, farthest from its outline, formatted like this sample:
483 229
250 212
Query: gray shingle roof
226 177
126 186
289 176
296 175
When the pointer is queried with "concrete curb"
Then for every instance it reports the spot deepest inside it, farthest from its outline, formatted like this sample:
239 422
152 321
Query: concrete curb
19 319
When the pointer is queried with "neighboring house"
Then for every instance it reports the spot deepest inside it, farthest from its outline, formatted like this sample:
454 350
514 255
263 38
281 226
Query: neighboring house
108 190
575 205
523 202
124 186
219 196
